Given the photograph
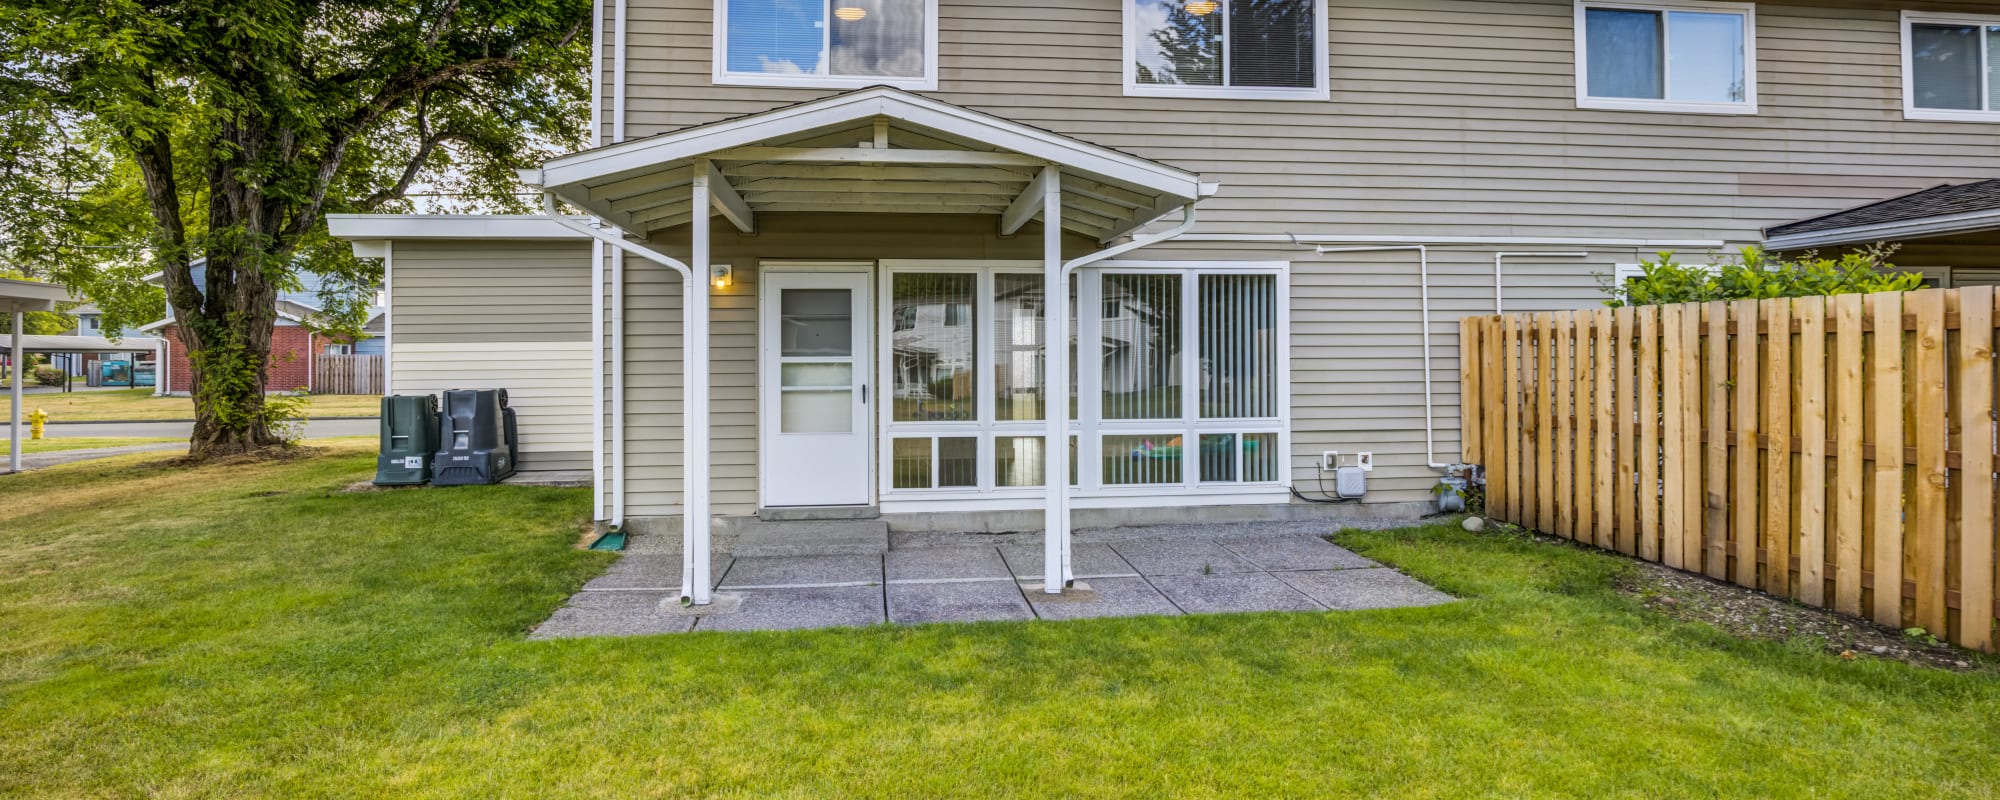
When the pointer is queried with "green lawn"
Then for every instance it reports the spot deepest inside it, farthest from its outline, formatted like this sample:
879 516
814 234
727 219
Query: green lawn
140 404
251 630
81 443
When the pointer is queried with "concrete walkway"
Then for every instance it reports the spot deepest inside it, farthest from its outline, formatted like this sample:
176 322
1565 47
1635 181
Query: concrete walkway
1119 576
315 429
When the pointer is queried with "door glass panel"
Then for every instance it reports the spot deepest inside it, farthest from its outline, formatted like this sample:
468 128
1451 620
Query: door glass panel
932 346
816 411
818 375
816 322
1218 457
1017 346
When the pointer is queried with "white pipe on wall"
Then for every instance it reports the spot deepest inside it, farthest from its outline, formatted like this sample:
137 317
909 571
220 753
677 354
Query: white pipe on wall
1424 305
618 387
16 365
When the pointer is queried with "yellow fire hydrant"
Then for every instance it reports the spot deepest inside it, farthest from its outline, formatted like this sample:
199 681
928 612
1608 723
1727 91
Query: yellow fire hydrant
35 421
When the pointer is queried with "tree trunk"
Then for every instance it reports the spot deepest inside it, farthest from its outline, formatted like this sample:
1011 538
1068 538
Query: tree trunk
229 350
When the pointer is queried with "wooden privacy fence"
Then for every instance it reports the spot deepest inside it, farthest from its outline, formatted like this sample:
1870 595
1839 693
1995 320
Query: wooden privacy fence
1836 450
348 374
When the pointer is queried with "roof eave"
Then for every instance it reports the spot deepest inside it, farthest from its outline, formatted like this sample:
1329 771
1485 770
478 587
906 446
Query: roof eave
1967 222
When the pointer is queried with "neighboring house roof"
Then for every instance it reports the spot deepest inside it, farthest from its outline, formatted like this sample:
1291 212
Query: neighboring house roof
38 343
294 306
376 325
1951 208
86 308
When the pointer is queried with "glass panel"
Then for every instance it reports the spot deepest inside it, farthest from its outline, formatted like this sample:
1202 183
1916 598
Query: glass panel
932 361
1271 43
1179 42
817 375
816 322
1151 458
1624 57
1705 53
1993 68
1944 65
878 37
816 411
1260 457
1218 457
910 463
781 37
958 461
1239 346
1142 347
1017 346
1018 461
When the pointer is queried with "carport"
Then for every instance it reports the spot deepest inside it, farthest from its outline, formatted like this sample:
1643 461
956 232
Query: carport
18 298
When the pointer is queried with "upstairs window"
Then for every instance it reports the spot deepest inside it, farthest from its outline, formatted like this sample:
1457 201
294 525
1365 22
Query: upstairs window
1951 67
1226 48
1692 57
827 43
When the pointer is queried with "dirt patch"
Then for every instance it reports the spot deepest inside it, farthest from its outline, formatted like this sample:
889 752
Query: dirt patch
1751 614
281 453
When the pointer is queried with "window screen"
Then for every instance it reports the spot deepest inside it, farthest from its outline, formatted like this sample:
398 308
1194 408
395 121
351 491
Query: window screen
1666 54
838 38
1945 67
1234 43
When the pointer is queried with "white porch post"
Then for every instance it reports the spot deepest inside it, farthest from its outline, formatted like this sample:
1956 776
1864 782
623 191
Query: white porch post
14 392
1055 323
695 521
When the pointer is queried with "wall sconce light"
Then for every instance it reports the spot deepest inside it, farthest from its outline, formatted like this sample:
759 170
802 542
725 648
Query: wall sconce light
720 276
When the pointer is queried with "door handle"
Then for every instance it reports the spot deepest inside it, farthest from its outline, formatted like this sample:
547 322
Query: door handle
864 394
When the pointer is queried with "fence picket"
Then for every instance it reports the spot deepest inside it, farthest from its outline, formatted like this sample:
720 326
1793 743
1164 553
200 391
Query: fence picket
1679 518
1602 476
1545 497
1713 548
1927 507
1975 386
1493 413
1885 377
1648 453
1469 395
1624 500
1850 474
1516 476
1812 450
1562 439
1777 469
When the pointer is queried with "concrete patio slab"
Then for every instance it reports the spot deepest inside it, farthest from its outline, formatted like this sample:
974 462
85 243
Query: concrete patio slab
973 601
1180 557
946 563
1106 597
1232 592
1355 589
1294 553
801 571
648 571
613 614
796 608
1085 560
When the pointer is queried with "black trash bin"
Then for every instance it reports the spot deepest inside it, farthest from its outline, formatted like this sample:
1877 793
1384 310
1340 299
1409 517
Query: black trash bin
475 441
409 439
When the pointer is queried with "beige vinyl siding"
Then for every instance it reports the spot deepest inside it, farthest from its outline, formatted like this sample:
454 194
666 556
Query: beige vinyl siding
1447 117
512 315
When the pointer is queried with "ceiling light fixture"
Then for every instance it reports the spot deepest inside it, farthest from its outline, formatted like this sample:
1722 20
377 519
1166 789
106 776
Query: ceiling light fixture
1202 8
850 13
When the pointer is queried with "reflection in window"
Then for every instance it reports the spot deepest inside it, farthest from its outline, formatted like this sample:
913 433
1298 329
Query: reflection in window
1142 459
1239 346
865 38
1142 347
1649 54
932 359
1241 43
1955 67
1017 346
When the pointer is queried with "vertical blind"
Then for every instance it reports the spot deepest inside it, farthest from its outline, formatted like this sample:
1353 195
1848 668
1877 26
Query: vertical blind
1239 359
1271 43
1142 347
1017 346
932 346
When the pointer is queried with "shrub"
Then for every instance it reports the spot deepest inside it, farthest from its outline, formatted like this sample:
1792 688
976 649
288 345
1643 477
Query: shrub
1754 275
50 376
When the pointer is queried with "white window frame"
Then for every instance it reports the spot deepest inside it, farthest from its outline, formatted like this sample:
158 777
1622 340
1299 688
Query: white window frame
1747 107
1319 90
1088 428
1910 109
719 48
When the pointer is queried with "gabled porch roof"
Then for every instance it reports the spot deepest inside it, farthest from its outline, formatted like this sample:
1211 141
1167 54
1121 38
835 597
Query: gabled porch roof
870 150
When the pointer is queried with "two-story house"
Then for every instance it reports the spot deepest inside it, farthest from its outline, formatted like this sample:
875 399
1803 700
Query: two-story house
832 238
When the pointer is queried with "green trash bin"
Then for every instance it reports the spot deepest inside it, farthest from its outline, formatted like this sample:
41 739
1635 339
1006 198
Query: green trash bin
409 438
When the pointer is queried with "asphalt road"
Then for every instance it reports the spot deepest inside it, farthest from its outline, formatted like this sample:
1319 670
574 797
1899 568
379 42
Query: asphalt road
315 429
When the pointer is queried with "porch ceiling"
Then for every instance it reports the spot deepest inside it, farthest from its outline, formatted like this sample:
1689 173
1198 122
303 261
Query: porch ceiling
872 151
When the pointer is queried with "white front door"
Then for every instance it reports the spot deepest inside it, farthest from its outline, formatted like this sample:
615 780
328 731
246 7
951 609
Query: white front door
813 367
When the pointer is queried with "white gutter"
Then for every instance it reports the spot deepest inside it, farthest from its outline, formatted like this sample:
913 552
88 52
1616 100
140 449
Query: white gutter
618 73
618 387
1501 257
597 475
388 318
1424 303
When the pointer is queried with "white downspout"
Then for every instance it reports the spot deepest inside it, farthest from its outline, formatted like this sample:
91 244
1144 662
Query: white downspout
16 362
1500 258
618 284
1424 306
388 317
598 477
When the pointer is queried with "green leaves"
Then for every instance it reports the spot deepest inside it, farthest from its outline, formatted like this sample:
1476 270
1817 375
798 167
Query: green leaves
1754 275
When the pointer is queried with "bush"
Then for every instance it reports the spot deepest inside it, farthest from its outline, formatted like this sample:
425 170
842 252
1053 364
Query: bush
1753 275
50 376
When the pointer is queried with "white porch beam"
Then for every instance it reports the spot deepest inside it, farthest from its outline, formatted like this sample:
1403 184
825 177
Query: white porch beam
658 212
883 208
1140 219
1056 572
640 202
857 200
837 155
756 187
640 184
695 522
728 203
1030 202
862 172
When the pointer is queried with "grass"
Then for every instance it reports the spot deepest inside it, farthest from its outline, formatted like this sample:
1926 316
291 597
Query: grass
140 404
79 443
250 630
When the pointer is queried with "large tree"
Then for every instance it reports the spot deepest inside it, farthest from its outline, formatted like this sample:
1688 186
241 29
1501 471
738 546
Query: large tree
229 129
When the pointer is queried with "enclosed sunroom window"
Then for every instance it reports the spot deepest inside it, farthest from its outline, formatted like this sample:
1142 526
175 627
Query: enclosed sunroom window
831 43
1951 67
1694 57
1227 48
